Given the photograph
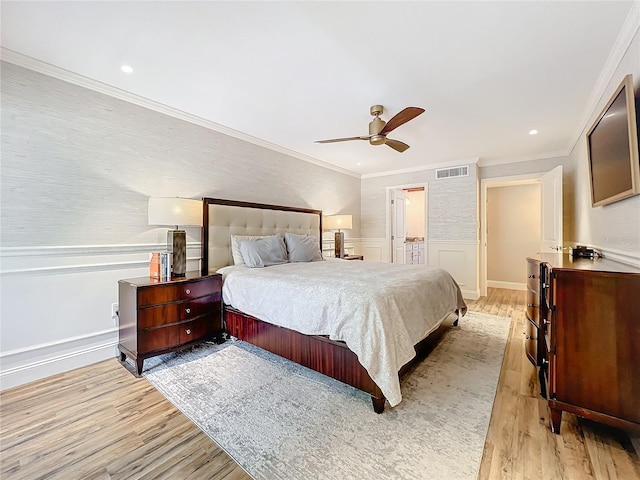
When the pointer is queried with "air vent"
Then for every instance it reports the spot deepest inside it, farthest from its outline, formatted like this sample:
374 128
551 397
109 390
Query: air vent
452 172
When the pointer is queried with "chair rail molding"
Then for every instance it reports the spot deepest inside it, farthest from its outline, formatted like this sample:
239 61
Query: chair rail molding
57 305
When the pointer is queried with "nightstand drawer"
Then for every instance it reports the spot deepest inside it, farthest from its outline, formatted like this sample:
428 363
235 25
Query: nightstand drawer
158 315
158 338
199 306
173 292
194 330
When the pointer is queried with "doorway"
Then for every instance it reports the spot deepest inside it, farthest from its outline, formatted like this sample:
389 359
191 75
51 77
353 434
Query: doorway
547 227
407 223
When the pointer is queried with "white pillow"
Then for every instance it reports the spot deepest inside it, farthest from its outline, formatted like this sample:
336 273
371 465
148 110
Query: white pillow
235 246
302 248
264 252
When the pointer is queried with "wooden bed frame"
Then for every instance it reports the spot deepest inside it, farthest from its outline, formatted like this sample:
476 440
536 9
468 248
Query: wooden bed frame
318 353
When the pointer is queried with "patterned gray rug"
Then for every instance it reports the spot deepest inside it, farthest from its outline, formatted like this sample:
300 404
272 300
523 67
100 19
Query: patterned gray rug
282 421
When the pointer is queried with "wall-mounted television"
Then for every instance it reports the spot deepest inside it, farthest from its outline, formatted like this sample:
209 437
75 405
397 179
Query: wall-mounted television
612 149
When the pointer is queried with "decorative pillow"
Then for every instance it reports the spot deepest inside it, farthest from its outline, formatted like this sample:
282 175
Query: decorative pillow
235 246
263 252
302 248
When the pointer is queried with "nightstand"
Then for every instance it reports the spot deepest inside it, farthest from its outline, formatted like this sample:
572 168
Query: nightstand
164 316
353 257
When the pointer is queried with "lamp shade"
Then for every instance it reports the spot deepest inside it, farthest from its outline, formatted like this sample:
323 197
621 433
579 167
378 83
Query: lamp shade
337 222
175 211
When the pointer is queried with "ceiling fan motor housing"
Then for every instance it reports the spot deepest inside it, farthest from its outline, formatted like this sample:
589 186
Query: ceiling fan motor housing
376 125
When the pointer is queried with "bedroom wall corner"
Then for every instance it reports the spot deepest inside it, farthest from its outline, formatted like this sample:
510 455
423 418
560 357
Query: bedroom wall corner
77 169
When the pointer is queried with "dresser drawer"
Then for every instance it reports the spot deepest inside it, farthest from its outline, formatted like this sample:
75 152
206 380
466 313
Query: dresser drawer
533 309
533 276
174 292
531 342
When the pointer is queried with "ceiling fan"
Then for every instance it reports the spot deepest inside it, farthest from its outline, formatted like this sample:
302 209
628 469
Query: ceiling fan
378 128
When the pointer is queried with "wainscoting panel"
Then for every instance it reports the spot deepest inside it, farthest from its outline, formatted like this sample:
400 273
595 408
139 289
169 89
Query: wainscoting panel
460 259
57 304
375 249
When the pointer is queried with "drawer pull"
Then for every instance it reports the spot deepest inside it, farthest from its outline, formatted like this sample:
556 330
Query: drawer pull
532 276
531 305
187 291
545 285
188 310
188 331
545 321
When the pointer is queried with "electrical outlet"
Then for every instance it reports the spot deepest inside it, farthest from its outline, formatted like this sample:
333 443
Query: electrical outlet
114 312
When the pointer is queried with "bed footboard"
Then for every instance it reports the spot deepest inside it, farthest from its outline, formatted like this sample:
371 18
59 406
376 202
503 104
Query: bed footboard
318 353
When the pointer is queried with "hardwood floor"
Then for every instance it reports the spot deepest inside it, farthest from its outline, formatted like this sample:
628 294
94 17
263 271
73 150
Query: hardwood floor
100 422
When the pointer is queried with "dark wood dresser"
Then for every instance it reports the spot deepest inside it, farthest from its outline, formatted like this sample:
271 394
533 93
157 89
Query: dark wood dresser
585 337
163 316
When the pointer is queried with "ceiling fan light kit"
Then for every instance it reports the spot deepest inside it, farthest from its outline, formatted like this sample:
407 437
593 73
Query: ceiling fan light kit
378 128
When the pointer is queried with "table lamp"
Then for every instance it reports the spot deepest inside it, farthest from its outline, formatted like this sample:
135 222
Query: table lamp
339 223
179 212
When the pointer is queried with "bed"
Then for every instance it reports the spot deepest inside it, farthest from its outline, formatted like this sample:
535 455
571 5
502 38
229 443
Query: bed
358 322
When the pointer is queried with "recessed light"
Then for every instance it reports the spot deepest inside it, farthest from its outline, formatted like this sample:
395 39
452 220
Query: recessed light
126 68
533 132
359 163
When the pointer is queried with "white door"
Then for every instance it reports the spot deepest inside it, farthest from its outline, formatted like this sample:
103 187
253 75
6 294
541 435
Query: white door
551 210
398 226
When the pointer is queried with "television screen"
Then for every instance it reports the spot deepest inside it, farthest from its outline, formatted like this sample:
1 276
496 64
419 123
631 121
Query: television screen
612 146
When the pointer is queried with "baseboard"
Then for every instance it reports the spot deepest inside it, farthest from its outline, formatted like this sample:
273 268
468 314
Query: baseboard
21 366
470 294
507 285
620 256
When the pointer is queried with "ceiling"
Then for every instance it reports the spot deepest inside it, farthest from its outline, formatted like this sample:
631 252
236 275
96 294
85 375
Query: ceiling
290 73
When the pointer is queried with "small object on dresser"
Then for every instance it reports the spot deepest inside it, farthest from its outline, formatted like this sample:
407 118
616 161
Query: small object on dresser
584 252
165 266
154 265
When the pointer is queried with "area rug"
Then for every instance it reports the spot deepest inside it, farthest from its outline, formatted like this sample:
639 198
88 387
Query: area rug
278 420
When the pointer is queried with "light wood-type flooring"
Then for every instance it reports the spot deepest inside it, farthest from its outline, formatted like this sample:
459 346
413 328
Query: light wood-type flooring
100 422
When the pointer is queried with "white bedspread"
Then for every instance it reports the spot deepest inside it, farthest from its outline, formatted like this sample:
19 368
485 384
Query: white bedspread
379 310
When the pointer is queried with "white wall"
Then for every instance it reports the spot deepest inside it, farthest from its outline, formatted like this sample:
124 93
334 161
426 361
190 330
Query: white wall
77 169
613 228
513 233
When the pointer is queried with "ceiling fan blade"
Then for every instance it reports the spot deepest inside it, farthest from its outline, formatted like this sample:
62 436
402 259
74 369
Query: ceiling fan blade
401 118
333 140
396 145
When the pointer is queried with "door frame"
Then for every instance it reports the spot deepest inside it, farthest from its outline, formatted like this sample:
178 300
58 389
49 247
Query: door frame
485 184
387 237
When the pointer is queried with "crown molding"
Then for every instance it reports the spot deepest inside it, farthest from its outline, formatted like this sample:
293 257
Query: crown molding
505 161
630 28
50 70
423 168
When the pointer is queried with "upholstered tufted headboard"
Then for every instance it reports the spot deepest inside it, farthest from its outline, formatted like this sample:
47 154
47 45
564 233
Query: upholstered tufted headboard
223 218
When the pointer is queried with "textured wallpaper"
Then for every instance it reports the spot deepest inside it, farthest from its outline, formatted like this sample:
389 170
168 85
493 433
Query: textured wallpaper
452 204
78 167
